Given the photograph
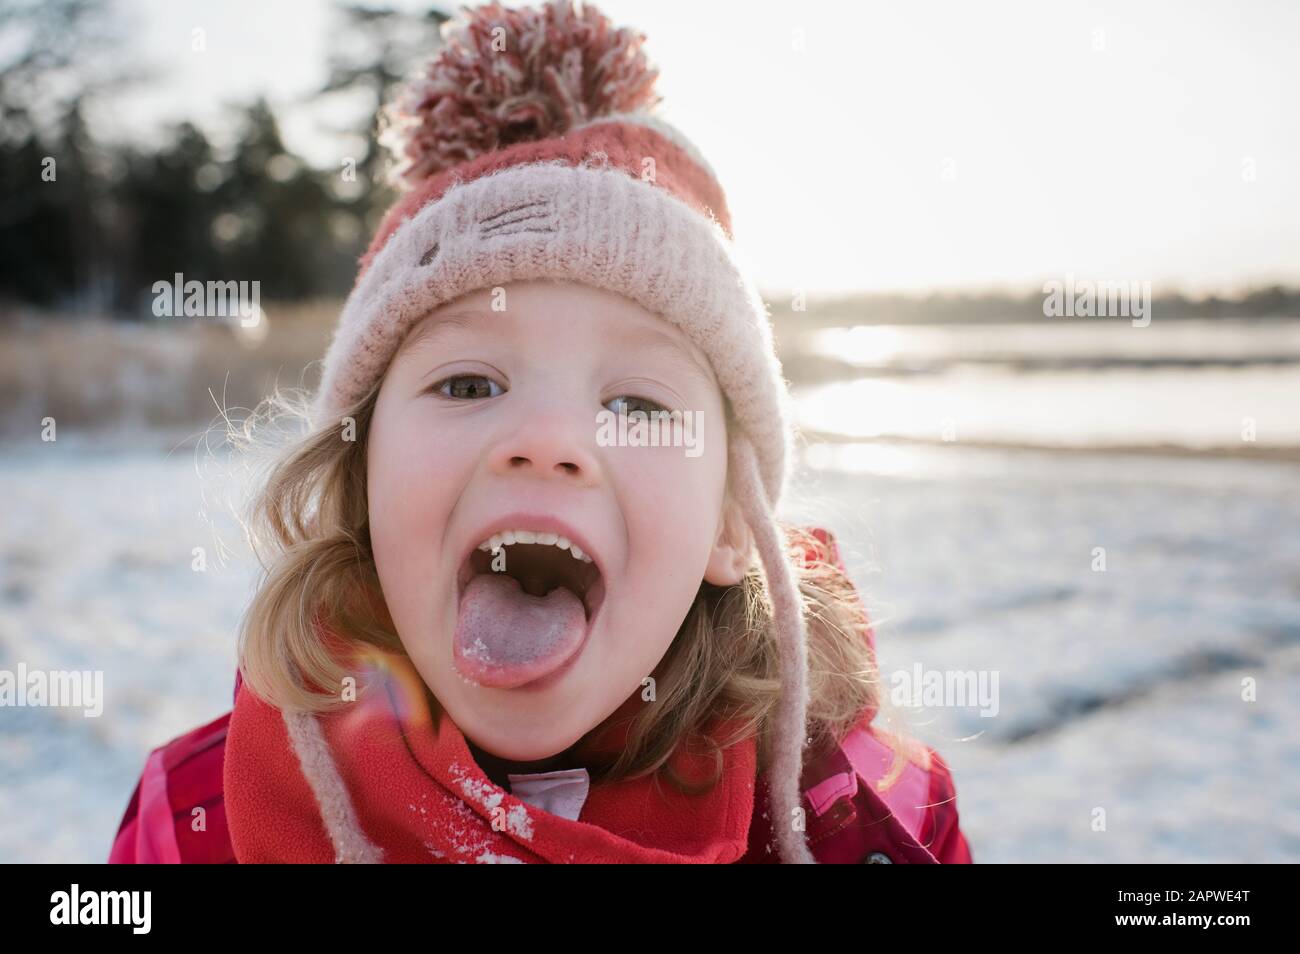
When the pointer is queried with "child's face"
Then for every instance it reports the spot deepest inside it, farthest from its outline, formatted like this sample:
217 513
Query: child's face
495 418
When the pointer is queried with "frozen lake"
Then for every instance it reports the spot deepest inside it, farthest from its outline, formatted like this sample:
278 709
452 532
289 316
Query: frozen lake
1216 385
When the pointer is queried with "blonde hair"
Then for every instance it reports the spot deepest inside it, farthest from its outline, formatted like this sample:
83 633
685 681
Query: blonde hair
309 525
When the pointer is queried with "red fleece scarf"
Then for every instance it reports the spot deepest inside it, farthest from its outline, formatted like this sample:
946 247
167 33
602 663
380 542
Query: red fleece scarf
388 780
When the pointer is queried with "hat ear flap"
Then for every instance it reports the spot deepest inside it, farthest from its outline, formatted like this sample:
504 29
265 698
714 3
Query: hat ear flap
791 636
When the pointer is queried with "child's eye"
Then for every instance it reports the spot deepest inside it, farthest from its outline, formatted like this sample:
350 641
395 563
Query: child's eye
626 404
467 387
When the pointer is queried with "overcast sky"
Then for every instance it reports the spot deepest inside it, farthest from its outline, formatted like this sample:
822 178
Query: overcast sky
904 146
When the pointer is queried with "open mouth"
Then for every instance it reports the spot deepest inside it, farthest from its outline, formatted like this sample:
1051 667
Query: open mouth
527 603
539 568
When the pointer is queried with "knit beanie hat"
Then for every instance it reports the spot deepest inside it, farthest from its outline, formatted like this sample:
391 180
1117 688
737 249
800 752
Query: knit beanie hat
531 148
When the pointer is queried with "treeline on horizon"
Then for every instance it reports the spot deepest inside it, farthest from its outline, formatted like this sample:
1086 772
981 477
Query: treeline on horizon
115 217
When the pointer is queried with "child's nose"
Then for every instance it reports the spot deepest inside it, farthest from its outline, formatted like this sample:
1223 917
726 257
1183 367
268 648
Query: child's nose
551 444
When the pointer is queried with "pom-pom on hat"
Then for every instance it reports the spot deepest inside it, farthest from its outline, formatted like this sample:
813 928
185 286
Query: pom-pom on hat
531 147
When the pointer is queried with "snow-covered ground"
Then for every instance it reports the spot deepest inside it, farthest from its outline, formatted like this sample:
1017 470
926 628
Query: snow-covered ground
1119 690
96 573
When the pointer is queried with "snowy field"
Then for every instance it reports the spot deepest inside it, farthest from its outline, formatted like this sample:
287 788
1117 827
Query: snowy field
1118 690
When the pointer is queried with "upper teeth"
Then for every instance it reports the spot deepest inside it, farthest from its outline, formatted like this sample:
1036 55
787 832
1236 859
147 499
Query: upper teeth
509 537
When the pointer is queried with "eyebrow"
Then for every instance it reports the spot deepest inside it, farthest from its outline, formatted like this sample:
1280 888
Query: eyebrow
652 339
428 330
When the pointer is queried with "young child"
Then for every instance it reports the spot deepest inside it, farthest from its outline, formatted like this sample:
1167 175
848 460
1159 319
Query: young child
525 598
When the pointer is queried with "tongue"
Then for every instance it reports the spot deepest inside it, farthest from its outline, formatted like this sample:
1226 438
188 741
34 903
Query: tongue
506 638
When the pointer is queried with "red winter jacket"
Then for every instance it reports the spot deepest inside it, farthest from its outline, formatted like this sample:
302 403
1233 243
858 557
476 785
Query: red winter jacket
849 820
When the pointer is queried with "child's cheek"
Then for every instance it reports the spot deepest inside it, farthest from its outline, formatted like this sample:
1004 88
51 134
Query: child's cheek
664 480
414 466
412 485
